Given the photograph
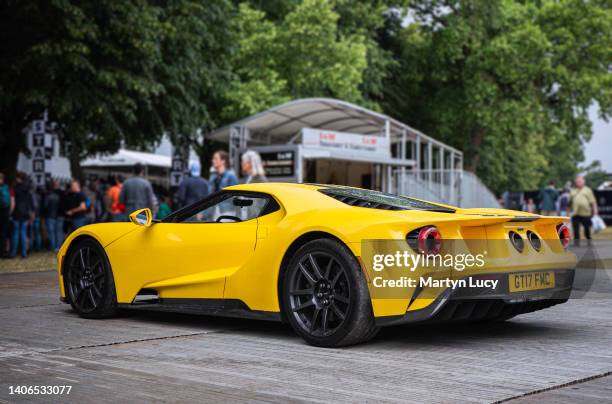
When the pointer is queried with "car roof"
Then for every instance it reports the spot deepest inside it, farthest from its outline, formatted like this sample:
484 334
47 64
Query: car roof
301 193
291 195
274 186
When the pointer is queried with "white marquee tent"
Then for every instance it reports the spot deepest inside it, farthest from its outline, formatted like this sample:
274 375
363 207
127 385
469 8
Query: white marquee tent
127 158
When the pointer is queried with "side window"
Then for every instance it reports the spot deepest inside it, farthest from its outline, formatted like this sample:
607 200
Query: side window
229 207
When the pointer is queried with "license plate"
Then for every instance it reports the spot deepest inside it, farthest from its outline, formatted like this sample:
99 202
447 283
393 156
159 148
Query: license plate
531 281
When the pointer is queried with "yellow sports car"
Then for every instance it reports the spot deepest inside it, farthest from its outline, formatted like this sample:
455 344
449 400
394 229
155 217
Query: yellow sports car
313 256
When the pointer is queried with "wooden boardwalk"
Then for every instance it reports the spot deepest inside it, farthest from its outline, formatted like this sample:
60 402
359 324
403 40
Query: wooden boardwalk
561 354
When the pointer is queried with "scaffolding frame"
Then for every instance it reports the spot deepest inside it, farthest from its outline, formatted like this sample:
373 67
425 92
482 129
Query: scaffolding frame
417 160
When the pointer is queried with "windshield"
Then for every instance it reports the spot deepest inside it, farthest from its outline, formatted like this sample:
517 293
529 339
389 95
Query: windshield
379 200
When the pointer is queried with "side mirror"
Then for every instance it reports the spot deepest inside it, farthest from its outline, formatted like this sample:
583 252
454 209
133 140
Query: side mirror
142 217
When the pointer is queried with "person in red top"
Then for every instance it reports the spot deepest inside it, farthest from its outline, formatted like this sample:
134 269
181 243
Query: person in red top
117 209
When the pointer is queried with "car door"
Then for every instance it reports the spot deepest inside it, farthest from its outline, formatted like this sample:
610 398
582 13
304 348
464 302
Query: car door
189 255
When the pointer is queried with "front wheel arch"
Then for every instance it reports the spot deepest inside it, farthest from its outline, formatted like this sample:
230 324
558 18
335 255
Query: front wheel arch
75 242
106 305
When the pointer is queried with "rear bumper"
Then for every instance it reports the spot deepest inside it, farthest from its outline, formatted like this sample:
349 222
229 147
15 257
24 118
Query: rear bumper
475 304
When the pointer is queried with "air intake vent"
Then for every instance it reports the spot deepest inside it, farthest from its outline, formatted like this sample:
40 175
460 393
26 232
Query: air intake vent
146 296
354 201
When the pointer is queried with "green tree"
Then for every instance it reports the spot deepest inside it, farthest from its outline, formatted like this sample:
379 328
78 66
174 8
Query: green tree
91 66
195 70
365 18
371 20
508 82
315 58
257 84
108 72
303 55
595 175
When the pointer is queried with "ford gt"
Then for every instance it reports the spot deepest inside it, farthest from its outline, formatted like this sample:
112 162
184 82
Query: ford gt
303 254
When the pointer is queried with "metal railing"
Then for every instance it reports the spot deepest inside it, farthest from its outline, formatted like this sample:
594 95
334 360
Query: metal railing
475 194
453 187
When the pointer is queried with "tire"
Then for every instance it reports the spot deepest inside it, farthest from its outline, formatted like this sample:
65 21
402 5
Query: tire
88 280
325 296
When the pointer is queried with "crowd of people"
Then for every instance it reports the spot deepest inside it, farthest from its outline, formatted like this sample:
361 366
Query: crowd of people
578 202
36 218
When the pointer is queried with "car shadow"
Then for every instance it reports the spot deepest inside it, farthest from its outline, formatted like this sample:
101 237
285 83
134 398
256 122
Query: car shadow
442 334
190 320
460 333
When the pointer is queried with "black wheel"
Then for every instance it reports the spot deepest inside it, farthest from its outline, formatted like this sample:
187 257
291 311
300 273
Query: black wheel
325 296
88 280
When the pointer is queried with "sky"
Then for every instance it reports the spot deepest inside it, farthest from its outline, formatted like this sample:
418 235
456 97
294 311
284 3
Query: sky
600 145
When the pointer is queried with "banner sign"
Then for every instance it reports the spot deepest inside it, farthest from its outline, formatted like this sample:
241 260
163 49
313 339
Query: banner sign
276 163
42 152
346 143
180 165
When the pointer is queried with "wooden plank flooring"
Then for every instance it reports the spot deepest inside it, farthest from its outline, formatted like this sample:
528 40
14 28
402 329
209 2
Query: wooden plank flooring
162 357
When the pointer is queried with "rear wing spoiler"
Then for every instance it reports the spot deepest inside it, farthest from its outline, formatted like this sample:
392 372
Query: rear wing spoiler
473 220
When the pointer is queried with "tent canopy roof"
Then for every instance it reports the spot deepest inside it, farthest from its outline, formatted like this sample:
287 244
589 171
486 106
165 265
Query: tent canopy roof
128 158
282 122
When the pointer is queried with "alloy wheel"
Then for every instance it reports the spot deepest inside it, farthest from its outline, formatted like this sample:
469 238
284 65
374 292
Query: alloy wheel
86 279
319 293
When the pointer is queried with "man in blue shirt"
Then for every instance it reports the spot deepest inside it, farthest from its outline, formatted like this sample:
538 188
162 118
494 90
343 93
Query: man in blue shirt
223 175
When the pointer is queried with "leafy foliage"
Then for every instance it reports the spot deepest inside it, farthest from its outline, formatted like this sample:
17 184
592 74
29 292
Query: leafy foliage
257 84
108 72
303 55
595 175
509 82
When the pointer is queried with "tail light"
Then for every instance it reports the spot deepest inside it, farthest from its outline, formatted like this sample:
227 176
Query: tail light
564 235
426 240
517 241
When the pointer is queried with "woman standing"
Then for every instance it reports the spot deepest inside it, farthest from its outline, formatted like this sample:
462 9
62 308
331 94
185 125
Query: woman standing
253 167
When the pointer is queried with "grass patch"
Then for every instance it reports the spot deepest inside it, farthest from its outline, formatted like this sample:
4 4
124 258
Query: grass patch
598 264
606 234
35 262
